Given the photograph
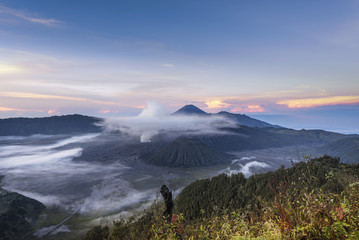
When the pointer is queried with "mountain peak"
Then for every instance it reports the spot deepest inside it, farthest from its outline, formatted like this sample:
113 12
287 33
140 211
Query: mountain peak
190 110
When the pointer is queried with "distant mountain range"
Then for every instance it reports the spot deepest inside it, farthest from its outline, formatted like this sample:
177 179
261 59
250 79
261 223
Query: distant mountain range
177 149
73 124
68 124
241 119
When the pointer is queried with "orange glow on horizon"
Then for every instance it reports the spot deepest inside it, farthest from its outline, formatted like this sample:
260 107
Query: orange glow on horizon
8 69
216 104
6 109
45 96
51 111
316 102
104 111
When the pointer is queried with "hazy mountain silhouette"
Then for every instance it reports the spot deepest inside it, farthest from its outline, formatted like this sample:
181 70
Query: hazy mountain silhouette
241 119
245 120
68 124
189 110
347 149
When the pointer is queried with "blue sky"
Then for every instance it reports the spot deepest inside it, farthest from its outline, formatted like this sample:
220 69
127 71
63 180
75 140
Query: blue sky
295 63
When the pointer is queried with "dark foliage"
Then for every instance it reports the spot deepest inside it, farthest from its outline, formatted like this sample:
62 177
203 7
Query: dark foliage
97 233
167 197
227 193
317 199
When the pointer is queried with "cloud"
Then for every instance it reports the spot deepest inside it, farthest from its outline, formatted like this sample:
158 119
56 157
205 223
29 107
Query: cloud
28 151
7 109
105 111
216 104
46 96
8 69
28 166
323 101
153 120
219 105
246 168
247 109
168 65
105 196
52 111
27 17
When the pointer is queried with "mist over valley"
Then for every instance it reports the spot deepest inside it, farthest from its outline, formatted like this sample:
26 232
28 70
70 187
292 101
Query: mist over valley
95 178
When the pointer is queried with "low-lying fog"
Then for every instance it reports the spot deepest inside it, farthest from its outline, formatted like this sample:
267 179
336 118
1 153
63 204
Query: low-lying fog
48 169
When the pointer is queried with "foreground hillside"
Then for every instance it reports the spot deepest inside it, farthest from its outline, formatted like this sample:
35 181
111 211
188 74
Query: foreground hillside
318 199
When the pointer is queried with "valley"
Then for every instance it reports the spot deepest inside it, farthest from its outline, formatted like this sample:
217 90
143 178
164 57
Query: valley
96 178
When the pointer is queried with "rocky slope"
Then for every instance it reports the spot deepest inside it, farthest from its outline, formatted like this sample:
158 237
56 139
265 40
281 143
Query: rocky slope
18 214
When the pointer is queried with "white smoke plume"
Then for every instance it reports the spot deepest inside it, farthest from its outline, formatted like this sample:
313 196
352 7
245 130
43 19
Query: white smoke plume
154 119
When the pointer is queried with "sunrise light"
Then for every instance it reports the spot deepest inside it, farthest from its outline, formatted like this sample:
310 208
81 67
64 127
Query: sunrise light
216 104
8 69
315 102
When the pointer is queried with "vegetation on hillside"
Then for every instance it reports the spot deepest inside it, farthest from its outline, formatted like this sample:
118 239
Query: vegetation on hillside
318 199
187 152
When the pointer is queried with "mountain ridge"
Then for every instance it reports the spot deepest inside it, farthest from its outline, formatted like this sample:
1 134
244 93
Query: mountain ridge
65 124
190 109
242 119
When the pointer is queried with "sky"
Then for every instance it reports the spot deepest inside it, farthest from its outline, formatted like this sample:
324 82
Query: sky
291 63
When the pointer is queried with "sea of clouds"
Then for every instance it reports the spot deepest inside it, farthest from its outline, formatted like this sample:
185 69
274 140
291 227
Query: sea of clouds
154 120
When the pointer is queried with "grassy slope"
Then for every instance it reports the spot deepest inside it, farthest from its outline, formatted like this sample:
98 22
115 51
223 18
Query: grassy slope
311 200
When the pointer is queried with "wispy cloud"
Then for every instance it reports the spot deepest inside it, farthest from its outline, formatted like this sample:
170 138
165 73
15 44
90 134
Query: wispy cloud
234 107
29 17
7 109
51 97
323 101
168 65
8 69
247 109
216 104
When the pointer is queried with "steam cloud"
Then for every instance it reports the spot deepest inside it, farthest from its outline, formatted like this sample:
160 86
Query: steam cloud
153 120
245 168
